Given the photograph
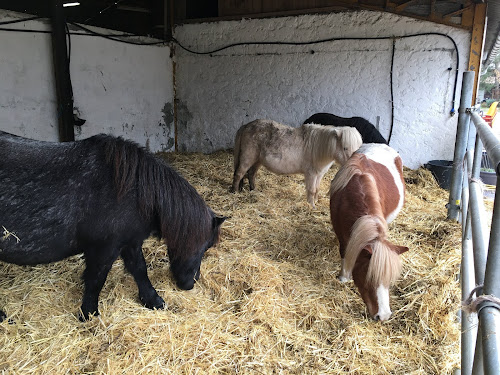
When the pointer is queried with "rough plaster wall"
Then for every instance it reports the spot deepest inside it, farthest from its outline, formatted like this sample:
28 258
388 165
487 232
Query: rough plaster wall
27 94
121 89
218 93
124 89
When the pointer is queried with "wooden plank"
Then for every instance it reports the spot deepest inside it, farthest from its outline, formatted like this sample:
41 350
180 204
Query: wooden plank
180 9
468 16
403 6
432 14
239 7
476 45
458 12
236 9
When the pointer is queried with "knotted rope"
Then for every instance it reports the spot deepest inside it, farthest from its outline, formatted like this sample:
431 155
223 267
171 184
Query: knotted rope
475 305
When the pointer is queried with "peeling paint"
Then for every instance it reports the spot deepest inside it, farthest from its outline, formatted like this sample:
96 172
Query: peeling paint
108 91
167 126
168 114
183 115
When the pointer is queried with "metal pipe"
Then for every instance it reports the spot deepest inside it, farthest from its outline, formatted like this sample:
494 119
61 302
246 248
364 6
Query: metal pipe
492 145
478 153
468 320
489 316
476 209
460 145
489 139
478 368
465 189
491 279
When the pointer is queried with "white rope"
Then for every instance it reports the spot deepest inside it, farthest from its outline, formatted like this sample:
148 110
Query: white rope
475 305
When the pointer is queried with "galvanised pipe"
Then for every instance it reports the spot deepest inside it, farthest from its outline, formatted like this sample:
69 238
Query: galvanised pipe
489 139
460 145
477 210
468 320
467 280
489 316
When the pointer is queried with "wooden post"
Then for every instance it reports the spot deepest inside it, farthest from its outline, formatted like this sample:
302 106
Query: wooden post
476 45
61 73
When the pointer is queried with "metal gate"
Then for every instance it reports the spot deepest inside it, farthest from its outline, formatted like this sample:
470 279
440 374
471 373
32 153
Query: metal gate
480 270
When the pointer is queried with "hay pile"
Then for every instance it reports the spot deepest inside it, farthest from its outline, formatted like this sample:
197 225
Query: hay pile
268 300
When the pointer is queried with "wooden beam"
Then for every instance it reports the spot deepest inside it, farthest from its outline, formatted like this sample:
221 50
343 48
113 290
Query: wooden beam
468 16
403 6
476 45
432 13
457 12
61 73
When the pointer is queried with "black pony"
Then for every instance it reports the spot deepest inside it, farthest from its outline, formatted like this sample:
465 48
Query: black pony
102 196
368 131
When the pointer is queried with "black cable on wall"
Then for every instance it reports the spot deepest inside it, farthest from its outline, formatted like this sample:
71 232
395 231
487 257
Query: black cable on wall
116 38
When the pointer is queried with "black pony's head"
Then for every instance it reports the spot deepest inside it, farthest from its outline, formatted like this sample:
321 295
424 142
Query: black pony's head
172 207
186 269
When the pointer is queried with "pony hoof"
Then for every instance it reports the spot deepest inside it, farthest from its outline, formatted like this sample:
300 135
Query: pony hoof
3 316
343 279
157 303
87 316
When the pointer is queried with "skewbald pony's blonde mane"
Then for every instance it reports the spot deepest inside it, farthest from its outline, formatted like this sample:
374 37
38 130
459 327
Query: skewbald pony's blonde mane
324 142
385 264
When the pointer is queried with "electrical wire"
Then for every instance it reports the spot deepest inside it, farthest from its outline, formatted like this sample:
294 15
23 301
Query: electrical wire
232 45
452 111
114 38
19 21
103 11
392 90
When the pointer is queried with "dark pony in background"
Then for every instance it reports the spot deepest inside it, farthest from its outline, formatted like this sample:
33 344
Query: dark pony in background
368 131
102 196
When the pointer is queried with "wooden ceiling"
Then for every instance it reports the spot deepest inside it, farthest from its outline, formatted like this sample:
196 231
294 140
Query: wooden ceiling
458 13
148 17
155 17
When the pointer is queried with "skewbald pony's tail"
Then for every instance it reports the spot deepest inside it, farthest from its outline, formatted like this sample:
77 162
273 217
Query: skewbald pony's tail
370 232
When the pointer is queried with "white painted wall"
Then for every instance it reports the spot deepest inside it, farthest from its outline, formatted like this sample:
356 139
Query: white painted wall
129 90
218 93
121 89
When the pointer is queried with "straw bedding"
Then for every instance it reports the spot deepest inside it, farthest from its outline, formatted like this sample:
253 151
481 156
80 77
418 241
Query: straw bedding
267 302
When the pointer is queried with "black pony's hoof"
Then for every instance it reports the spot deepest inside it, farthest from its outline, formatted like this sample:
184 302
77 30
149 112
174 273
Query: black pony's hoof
3 316
86 316
155 303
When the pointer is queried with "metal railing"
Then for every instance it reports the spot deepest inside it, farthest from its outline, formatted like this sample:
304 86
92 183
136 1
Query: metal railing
480 269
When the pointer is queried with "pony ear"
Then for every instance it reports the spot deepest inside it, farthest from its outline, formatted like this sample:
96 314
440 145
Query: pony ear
399 249
218 220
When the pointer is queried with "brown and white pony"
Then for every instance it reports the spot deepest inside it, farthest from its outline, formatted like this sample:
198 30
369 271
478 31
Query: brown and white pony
309 149
366 194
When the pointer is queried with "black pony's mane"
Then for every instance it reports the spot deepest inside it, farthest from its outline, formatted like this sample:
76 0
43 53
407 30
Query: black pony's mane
184 220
